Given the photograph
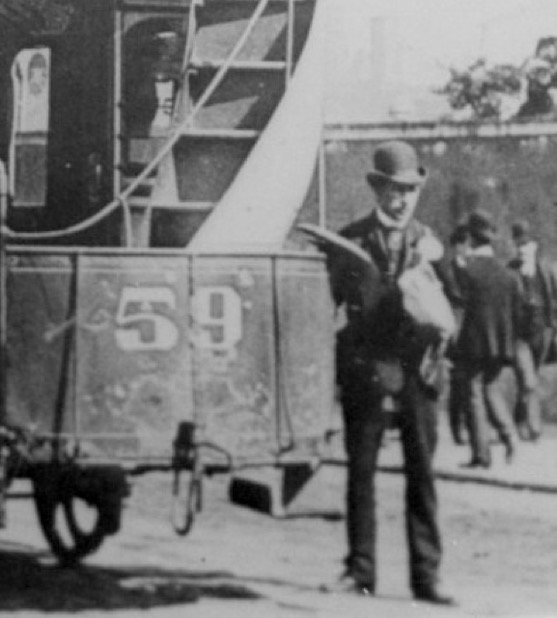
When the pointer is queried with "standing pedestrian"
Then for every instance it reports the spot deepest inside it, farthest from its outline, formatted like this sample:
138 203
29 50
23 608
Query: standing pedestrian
535 345
459 416
487 339
379 353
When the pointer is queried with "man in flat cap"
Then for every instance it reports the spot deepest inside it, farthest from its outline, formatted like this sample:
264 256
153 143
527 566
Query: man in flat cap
487 339
379 355
535 345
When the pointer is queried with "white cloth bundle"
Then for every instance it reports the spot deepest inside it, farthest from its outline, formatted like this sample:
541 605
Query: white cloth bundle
424 299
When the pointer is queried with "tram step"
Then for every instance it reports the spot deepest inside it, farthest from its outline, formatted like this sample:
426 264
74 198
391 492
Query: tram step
271 491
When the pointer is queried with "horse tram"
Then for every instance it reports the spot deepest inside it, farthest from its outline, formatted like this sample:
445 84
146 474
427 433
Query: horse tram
156 155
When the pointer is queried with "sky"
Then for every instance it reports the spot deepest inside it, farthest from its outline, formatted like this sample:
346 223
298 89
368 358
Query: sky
420 39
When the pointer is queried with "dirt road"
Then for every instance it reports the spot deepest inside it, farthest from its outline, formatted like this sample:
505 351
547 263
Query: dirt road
500 558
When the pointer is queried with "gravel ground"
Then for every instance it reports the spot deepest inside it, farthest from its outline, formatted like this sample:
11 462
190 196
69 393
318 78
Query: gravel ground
500 557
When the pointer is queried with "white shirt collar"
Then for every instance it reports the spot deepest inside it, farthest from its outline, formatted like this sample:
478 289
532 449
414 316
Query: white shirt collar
528 259
391 224
482 250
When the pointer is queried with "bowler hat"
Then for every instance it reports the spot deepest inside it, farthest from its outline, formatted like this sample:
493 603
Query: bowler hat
398 162
521 232
481 226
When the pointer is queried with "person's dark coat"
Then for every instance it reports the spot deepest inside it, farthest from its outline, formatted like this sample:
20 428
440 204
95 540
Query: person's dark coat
548 280
493 309
377 326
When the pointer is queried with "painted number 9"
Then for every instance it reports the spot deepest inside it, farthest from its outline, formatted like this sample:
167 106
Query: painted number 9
218 313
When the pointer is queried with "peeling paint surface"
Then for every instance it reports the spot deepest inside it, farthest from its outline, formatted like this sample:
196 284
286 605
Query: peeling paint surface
125 347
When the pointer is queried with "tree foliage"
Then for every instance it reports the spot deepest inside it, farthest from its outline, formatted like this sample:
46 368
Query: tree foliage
483 88
480 87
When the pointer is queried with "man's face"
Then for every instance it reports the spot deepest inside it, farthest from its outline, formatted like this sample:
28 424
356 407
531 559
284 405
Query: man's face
527 251
398 201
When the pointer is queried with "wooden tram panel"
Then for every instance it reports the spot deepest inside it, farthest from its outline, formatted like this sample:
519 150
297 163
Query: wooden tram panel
114 349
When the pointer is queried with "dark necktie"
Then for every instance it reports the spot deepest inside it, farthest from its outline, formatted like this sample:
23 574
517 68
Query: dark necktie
394 243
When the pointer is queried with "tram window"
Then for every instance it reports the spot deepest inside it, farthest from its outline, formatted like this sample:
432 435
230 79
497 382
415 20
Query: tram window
153 51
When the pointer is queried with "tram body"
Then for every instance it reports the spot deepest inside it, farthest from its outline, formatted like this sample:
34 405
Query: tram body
124 350
116 349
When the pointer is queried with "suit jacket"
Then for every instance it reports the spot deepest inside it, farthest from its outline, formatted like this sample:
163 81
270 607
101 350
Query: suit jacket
548 281
493 306
543 343
377 326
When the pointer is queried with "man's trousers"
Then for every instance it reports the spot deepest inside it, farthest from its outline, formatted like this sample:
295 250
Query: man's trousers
488 407
530 355
364 427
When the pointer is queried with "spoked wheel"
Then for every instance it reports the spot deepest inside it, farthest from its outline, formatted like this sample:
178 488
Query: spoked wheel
72 528
78 508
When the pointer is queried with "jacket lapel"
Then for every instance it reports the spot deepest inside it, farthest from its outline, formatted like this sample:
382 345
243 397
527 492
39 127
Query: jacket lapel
374 243
411 237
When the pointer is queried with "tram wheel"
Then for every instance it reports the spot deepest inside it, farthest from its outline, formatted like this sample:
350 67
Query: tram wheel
77 509
69 539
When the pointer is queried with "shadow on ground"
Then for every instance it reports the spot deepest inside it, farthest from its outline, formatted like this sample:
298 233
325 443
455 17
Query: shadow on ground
27 583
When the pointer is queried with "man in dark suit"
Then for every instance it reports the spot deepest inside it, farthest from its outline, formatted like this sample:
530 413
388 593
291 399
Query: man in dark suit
379 352
487 339
459 417
536 344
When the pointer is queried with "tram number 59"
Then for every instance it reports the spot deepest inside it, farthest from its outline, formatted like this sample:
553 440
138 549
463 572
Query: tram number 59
139 326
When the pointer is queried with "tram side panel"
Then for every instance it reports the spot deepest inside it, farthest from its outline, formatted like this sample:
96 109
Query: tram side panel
233 337
118 349
305 354
133 375
40 342
263 355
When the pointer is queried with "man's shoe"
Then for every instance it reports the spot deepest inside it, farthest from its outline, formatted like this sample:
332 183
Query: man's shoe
349 585
477 462
509 450
430 594
523 431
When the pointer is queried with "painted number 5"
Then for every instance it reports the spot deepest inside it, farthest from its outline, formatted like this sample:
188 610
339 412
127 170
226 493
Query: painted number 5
139 326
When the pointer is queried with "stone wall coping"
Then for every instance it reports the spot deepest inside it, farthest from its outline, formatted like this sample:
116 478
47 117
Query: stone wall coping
433 131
